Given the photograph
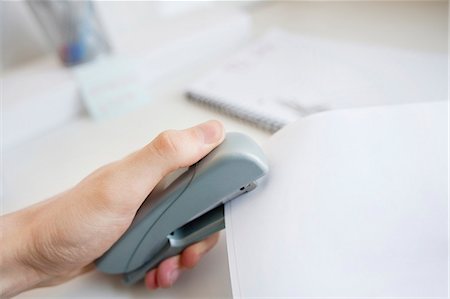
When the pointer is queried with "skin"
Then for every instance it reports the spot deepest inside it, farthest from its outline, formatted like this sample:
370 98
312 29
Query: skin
58 239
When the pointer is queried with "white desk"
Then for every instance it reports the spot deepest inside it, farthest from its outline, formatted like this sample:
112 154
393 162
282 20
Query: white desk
39 168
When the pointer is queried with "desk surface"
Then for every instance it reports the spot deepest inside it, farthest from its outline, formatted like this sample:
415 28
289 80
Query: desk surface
42 167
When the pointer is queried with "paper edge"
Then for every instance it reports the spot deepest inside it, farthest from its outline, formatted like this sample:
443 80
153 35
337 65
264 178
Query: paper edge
234 276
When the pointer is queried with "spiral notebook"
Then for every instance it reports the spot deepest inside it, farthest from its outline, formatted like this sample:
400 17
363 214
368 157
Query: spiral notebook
283 76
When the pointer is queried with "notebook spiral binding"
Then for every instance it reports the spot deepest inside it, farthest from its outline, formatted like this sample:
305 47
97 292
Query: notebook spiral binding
269 124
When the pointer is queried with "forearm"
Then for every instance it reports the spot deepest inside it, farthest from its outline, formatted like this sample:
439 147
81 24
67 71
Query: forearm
17 275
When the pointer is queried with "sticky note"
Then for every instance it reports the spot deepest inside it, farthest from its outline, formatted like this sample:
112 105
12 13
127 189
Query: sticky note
110 87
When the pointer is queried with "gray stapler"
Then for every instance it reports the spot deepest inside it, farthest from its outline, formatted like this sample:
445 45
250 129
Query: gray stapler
185 210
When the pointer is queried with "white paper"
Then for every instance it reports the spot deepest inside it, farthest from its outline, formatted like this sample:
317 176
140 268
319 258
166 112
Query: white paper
283 76
355 205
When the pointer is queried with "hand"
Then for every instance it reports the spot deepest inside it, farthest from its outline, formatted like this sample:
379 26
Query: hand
57 239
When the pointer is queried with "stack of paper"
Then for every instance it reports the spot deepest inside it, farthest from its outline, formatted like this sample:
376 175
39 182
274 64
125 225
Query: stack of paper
355 205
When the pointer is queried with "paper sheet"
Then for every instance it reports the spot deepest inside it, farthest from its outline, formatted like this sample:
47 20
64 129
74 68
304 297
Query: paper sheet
355 205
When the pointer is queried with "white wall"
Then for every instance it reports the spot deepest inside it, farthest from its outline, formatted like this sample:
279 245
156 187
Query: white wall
21 37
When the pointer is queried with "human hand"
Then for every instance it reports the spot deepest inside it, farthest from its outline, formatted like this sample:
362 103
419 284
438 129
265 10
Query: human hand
57 239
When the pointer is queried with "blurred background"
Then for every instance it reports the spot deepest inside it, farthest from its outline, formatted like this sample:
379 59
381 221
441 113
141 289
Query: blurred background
45 42
39 46
24 40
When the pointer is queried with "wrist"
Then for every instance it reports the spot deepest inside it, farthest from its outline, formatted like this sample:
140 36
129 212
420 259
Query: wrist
18 273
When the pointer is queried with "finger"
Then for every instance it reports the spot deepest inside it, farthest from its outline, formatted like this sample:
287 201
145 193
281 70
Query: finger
176 149
168 272
192 255
150 280
172 150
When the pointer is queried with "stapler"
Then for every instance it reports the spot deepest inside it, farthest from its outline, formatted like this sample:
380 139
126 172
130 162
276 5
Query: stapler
184 210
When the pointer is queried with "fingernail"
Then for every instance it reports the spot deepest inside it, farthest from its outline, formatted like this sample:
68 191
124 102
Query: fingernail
173 276
212 131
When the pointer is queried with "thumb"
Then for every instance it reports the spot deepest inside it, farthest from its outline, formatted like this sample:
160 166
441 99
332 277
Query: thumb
169 151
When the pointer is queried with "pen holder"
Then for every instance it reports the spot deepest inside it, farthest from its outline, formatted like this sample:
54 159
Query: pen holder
73 28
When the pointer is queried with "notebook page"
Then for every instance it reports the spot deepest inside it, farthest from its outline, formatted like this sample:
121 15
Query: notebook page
355 205
284 76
